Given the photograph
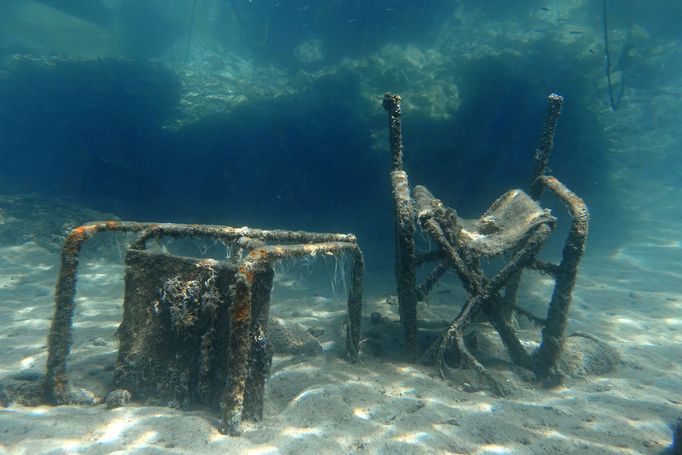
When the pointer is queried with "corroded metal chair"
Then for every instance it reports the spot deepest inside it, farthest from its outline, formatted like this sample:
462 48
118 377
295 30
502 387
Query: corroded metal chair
194 331
515 227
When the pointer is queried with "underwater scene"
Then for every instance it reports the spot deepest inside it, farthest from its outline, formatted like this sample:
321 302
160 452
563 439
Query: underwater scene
340 227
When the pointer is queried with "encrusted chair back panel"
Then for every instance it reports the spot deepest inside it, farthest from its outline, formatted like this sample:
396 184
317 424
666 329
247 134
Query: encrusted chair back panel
175 329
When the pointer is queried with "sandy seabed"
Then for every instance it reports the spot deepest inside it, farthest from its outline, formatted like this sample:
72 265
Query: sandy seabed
630 298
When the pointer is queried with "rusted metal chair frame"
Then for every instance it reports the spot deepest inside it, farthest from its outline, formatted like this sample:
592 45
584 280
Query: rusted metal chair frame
247 321
484 293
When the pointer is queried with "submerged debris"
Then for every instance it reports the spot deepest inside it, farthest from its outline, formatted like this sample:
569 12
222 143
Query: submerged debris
194 331
514 227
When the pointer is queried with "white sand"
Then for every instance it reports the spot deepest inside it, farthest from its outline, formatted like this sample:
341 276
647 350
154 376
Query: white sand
322 404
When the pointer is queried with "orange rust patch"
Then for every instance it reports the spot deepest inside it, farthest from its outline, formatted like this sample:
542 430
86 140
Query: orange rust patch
75 238
248 274
242 310
242 313
260 253
80 230
112 224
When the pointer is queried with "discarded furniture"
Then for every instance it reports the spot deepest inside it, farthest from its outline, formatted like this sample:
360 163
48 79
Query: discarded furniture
194 331
515 227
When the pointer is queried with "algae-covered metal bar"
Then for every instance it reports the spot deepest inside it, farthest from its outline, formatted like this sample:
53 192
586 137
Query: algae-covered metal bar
406 269
251 272
227 233
544 150
554 332
56 386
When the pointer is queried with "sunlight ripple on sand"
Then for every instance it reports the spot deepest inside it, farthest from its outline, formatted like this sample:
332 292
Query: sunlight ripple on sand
146 438
414 437
307 394
32 323
628 321
362 413
493 448
262 451
25 310
113 430
299 432
27 362
70 444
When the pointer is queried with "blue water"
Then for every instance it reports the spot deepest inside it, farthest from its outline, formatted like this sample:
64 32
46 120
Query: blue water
95 131
267 113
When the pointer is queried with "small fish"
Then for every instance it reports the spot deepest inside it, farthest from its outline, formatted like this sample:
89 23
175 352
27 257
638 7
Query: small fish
350 21
576 32
544 9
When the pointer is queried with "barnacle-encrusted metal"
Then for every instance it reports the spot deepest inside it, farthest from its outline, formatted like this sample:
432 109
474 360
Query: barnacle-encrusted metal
515 226
242 286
